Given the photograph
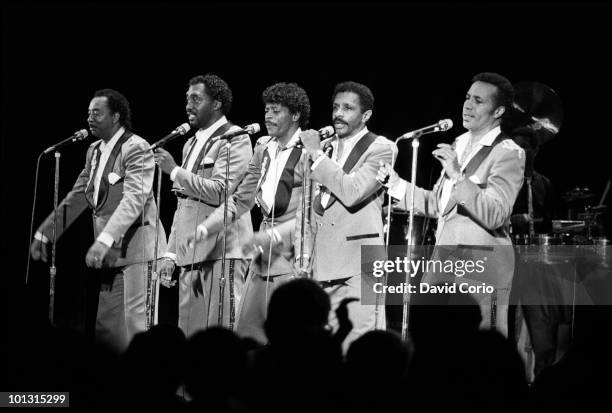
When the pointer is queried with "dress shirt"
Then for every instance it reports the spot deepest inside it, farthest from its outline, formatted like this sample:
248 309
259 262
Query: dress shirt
201 137
278 160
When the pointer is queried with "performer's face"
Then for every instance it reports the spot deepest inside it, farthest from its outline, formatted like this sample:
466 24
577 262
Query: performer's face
347 114
279 120
102 124
200 106
479 110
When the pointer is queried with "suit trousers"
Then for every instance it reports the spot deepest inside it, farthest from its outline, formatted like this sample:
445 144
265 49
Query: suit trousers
121 305
363 317
199 293
254 304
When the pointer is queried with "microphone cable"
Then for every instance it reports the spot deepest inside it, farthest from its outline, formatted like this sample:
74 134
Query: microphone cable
32 217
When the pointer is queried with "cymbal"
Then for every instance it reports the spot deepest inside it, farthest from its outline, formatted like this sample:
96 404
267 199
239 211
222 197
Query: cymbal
560 225
578 194
537 107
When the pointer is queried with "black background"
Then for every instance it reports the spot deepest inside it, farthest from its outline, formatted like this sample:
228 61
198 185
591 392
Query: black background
418 59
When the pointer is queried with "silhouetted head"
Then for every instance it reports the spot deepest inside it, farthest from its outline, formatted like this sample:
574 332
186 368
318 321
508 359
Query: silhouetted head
297 308
379 353
215 363
156 350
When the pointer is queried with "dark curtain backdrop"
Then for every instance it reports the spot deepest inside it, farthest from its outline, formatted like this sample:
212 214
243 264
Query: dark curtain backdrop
418 59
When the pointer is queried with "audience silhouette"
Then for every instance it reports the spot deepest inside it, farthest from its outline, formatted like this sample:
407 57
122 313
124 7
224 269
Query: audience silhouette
447 364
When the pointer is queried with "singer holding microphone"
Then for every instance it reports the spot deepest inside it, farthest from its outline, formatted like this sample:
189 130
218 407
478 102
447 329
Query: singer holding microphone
199 184
482 173
347 207
273 181
116 183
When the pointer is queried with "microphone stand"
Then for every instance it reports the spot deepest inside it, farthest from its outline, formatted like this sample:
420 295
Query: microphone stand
52 268
407 294
152 295
224 253
386 277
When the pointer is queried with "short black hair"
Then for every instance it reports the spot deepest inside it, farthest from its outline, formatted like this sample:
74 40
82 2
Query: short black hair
117 103
505 91
217 89
292 96
366 97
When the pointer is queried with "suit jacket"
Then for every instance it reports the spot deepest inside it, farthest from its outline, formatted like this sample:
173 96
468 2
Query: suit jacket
354 219
126 207
479 209
288 196
201 192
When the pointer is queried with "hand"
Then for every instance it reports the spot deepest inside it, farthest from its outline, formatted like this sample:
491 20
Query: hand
192 239
384 173
311 141
39 250
302 271
259 243
164 160
166 269
96 254
448 158
345 325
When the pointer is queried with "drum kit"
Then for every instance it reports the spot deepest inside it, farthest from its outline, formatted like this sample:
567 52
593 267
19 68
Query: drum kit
538 107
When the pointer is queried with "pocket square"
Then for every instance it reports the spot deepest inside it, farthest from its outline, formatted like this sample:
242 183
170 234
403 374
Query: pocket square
113 178
475 179
208 161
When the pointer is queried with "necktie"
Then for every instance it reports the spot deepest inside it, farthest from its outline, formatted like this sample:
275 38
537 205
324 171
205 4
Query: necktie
89 192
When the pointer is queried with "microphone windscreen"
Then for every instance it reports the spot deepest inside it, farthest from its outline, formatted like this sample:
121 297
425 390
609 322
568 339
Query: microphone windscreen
253 128
327 131
445 124
183 129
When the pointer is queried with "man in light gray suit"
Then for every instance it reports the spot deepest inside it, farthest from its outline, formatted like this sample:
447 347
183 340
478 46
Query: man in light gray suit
473 198
347 206
273 181
199 185
116 184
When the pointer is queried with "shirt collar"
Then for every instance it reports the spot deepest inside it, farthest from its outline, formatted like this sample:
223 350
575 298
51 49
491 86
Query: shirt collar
111 143
353 139
212 128
489 137
290 144
294 139
486 140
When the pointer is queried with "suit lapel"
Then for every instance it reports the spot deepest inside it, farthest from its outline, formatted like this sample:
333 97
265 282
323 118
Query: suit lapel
108 168
286 183
191 146
265 168
358 150
472 167
220 131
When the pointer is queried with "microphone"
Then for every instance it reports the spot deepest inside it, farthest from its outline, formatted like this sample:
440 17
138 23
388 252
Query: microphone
327 131
441 126
76 137
324 133
180 131
251 129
